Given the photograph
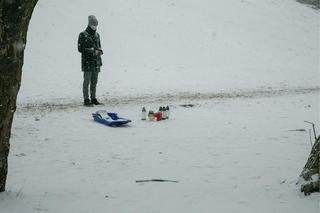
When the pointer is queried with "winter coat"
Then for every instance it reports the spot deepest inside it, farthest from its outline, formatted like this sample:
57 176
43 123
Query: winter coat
88 43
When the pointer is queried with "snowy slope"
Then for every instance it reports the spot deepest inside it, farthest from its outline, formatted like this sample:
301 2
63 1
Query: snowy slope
172 46
239 149
229 155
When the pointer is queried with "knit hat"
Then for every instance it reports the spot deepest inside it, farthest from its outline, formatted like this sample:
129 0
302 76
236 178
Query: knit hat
92 21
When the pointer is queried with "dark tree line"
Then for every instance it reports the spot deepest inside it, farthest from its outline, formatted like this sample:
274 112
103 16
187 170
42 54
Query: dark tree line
314 3
14 21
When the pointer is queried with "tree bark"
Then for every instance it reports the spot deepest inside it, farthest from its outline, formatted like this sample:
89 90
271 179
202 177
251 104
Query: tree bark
310 175
14 21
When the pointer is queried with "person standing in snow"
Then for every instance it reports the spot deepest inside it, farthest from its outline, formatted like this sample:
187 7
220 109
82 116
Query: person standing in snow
90 48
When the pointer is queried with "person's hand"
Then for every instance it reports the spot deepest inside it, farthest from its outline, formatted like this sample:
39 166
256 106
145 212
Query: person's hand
99 51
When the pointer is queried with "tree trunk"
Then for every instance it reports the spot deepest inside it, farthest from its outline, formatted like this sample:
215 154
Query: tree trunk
14 21
309 177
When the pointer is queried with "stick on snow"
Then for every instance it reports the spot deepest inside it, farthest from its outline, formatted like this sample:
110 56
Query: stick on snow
156 180
314 130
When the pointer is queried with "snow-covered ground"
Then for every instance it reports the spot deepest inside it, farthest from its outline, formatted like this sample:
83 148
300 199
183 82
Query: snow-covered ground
172 46
250 67
229 155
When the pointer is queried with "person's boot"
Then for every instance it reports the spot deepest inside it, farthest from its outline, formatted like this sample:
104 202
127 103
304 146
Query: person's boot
87 102
95 101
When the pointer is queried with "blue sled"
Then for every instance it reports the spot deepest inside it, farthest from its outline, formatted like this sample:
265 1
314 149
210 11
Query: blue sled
109 118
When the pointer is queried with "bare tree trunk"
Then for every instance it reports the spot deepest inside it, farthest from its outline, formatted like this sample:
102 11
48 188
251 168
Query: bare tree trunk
14 21
310 175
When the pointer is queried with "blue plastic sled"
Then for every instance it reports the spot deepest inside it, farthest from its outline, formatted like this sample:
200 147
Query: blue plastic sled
109 118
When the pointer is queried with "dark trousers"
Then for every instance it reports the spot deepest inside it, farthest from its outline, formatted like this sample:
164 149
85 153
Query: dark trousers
90 79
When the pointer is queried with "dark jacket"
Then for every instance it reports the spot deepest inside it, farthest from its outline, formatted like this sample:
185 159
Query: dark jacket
88 42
